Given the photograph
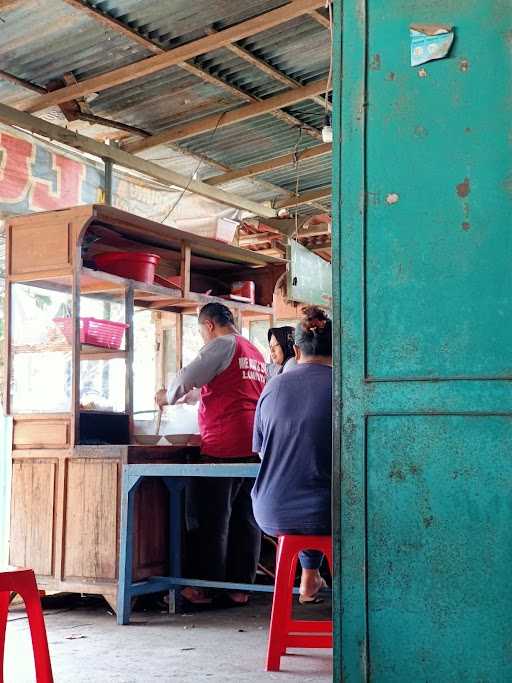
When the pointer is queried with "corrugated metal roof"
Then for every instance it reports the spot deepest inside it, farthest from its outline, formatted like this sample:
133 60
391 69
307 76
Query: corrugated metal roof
180 21
248 142
312 173
164 99
44 39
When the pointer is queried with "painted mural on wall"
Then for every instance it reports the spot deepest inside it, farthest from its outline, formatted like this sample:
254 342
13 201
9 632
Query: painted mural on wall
34 177
40 176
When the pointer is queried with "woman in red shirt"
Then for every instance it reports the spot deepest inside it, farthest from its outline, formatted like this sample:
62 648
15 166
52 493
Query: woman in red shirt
230 373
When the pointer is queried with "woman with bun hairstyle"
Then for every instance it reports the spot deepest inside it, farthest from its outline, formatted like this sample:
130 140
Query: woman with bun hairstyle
293 435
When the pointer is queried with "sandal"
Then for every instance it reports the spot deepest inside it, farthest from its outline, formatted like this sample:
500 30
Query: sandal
313 599
238 598
196 596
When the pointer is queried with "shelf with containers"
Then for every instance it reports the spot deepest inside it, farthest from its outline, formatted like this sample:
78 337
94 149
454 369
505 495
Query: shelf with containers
70 379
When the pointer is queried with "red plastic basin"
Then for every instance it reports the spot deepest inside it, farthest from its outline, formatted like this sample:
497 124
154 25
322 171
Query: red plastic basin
135 265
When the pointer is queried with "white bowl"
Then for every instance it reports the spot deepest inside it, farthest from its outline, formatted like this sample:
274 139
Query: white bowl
177 439
147 439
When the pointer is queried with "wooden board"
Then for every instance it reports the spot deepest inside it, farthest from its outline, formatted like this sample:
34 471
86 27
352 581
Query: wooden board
41 433
91 519
30 253
33 515
151 534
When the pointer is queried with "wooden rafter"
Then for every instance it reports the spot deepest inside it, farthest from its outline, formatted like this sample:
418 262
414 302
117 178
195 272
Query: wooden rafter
270 164
266 68
116 25
320 19
81 115
305 198
158 62
265 237
228 118
33 124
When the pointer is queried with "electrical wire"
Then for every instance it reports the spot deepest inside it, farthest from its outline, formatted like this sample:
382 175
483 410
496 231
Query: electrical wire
296 160
194 173
331 42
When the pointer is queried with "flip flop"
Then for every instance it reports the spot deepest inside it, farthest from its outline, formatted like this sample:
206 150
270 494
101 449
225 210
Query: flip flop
313 599
196 596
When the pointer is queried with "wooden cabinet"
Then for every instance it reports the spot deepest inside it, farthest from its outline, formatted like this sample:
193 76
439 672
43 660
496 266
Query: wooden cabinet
65 517
66 492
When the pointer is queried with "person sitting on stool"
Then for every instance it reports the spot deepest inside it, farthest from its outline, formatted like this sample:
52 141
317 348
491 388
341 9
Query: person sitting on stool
293 435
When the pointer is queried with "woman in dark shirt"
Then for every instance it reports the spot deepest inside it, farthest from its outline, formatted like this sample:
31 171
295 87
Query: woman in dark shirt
282 354
293 435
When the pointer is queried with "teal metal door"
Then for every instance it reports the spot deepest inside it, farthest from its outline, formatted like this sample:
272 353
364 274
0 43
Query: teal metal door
423 256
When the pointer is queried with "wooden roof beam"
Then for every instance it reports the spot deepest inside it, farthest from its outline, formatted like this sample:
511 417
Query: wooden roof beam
33 124
270 164
263 237
268 69
320 19
305 198
228 118
158 62
114 24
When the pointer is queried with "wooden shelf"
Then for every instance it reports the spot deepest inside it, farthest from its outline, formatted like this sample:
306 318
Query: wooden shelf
157 297
88 352
41 348
99 282
98 411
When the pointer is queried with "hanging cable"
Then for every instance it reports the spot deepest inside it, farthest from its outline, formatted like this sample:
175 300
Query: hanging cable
327 129
296 161
194 173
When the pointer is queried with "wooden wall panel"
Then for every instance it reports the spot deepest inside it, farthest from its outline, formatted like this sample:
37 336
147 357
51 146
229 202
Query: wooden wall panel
40 433
151 534
91 519
33 515
30 253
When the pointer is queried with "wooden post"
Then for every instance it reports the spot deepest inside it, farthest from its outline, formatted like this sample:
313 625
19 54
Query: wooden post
185 269
75 350
109 167
7 344
129 337
179 341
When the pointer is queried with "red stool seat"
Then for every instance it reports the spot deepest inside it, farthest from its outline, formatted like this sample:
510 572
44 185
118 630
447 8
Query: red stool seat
23 582
285 631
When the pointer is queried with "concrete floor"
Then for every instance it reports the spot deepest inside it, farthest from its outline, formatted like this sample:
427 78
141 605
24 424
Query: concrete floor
215 646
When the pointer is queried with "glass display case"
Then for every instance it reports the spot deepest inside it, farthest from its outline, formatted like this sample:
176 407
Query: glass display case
83 355
40 357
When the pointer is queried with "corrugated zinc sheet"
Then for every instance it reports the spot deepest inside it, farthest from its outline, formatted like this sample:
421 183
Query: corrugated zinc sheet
42 41
180 21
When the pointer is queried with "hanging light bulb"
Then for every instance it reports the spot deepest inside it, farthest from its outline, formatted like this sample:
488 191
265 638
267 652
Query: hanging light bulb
327 129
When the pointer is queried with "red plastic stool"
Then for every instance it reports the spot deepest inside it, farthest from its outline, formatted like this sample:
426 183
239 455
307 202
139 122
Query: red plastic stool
284 631
23 582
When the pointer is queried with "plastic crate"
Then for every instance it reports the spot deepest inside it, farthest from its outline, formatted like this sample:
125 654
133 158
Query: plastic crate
104 333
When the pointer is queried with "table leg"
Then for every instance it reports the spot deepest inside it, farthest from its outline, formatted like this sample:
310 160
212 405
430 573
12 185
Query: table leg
124 598
175 488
